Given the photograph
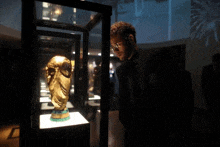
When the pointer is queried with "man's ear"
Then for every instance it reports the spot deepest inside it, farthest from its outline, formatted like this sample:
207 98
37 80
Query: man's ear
131 38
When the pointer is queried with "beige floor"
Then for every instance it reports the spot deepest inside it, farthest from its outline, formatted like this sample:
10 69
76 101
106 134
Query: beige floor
115 133
9 135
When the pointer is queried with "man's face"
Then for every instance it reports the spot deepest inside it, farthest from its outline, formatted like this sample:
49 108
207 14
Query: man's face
121 50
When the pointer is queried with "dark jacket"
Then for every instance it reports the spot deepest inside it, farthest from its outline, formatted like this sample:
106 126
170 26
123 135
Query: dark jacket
134 88
151 90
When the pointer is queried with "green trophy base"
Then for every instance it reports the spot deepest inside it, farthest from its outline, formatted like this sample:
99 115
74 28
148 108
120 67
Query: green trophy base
58 115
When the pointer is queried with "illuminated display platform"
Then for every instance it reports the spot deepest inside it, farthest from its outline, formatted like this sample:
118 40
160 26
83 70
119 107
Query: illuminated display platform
44 92
44 106
45 99
75 119
92 103
96 97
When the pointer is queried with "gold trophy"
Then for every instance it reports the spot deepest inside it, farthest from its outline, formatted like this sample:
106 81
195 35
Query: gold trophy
58 74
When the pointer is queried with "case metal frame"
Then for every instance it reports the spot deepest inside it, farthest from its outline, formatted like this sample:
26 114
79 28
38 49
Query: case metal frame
31 53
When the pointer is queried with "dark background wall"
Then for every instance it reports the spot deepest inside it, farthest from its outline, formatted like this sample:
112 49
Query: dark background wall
159 23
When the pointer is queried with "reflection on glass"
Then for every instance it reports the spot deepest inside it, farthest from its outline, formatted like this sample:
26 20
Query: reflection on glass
64 14
51 11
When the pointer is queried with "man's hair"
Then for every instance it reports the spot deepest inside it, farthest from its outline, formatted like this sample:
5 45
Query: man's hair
122 29
216 57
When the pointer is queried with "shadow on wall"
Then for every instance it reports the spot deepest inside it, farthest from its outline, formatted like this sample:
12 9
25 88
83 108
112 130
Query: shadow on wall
197 56
204 41
199 100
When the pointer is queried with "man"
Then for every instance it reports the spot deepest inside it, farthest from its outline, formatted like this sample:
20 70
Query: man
140 112
154 93
210 88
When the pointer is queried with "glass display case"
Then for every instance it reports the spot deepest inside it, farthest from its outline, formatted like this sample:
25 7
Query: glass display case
67 47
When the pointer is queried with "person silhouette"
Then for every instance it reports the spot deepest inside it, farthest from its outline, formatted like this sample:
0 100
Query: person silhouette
140 112
210 88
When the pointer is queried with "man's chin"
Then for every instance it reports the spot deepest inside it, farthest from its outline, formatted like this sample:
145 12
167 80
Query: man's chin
121 58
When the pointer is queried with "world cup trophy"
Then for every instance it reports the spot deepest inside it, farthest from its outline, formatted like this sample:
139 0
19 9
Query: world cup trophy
58 75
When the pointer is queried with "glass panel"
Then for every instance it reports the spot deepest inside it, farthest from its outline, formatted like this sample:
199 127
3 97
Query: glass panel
50 47
64 14
94 70
94 65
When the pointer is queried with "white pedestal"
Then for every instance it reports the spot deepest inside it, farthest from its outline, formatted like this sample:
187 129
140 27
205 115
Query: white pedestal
75 119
